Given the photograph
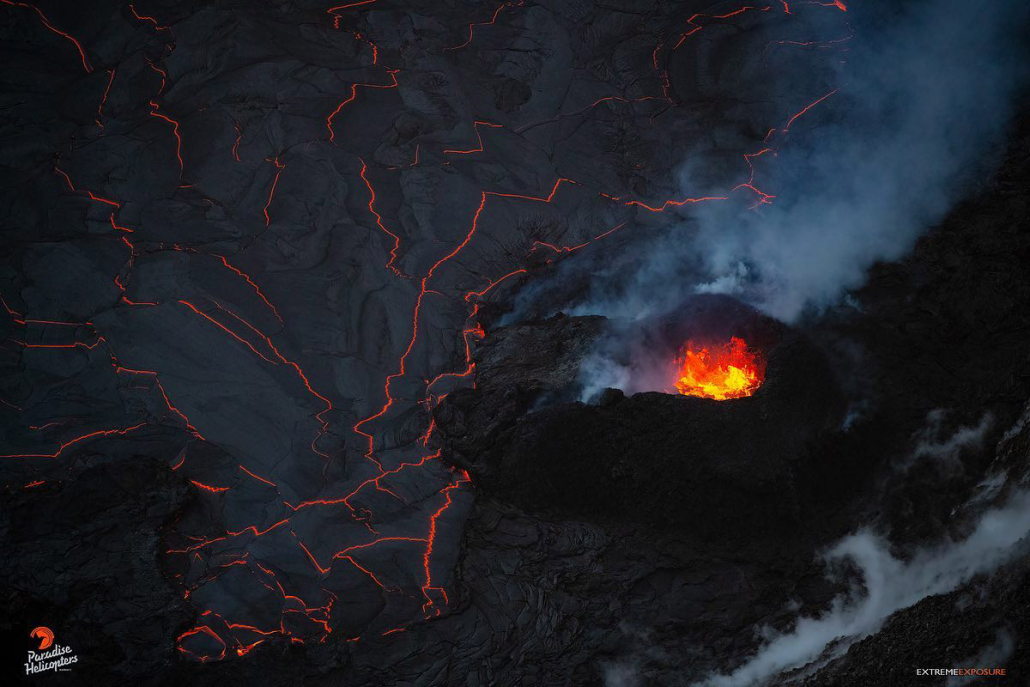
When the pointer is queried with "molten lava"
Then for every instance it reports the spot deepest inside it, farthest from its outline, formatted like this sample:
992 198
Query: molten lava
720 371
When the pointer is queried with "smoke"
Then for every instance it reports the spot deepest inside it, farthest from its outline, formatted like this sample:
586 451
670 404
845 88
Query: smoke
933 442
1014 431
889 585
920 108
634 370
621 674
597 372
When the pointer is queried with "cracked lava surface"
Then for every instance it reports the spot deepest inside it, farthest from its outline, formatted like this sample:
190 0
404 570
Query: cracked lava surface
254 241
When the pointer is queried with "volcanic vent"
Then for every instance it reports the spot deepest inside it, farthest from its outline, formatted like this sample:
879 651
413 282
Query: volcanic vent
712 347
718 346
702 388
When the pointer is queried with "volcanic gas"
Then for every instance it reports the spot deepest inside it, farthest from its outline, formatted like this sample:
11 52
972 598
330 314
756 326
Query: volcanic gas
719 371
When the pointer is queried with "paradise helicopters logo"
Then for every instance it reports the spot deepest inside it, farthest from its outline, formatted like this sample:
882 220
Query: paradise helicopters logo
50 656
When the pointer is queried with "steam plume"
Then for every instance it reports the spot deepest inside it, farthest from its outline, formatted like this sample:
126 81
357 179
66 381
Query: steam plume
920 108
890 585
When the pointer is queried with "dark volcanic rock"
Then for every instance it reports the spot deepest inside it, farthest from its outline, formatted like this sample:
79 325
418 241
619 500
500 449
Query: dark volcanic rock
83 557
536 358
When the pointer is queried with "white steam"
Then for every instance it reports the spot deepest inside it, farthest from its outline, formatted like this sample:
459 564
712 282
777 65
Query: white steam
928 95
890 585
643 372
932 442
916 121
620 674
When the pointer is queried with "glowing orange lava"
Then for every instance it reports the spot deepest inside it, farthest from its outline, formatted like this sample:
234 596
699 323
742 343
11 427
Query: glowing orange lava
719 371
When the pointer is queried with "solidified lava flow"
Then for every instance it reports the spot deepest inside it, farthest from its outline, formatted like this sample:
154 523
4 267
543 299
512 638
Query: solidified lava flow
242 328
719 371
